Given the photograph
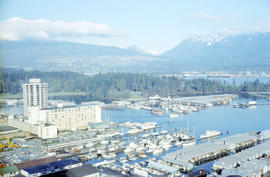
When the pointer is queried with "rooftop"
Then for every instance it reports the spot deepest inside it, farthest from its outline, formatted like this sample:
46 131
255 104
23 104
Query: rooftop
84 170
36 162
51 166
6 128
65 107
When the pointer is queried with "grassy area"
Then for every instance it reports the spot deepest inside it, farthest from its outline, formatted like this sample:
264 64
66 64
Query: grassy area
67 94
19 95
11 96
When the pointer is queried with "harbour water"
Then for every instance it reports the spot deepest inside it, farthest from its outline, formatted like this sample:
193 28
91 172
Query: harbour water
221 118
232 80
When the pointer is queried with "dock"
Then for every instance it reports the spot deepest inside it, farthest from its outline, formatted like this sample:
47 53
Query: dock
188 159
235 160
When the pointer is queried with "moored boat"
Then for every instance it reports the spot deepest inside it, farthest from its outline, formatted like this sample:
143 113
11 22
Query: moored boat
174 115
189 144
210 134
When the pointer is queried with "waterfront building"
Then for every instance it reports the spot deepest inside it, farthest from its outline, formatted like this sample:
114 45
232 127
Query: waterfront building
35 162
42 130
81 171
50 168
35 93
7 130
67 118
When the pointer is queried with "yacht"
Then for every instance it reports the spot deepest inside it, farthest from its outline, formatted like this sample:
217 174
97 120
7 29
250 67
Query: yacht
134 131
178 143
210 134
109 155
157 151
174 115
157 111
189 144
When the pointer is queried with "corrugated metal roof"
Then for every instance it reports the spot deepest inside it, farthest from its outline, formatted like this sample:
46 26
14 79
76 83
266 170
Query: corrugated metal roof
84 170
36 162
51 166
162 167
6 128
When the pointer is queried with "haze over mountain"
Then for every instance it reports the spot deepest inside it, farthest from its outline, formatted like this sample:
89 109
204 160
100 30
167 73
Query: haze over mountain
203 53
219 52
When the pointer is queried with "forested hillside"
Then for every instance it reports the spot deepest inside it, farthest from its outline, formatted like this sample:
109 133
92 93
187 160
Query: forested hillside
115 86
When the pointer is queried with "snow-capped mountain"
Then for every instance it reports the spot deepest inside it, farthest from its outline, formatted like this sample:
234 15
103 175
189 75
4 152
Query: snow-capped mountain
203 53
209 39
222 52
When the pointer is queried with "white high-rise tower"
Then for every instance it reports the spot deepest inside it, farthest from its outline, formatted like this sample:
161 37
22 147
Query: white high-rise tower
35 94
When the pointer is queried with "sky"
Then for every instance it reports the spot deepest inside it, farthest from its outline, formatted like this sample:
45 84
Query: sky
153 25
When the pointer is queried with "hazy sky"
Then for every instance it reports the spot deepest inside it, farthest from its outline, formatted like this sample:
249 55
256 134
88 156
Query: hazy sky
153 25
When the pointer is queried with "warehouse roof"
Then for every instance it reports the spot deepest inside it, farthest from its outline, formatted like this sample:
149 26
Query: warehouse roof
36 162
7 128
84 170
51 166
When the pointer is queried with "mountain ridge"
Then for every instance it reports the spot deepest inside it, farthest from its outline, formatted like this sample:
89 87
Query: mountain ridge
202 53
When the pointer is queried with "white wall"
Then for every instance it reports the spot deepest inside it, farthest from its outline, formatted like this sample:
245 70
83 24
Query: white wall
48 131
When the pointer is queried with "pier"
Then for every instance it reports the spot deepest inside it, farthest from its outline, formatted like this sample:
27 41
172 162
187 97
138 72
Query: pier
187 159
235 160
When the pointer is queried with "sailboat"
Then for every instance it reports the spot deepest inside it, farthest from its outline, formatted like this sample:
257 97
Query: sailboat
186 136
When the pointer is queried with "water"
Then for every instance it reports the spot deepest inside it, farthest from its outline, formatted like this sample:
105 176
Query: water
232 80
11 110
221 118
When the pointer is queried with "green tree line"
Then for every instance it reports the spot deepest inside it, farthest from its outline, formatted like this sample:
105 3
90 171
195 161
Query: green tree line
114 86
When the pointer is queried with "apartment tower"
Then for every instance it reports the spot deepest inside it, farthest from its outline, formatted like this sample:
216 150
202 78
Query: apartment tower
35 94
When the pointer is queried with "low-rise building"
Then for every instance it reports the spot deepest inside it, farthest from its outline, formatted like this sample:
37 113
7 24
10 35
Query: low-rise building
50 168
7 129
66 118
81 171
42 130
36 162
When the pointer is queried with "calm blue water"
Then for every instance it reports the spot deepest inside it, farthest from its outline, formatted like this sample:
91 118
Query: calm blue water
221 118
236 80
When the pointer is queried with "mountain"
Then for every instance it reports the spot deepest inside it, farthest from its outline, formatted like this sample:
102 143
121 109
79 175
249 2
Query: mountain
219 52
139 50
55 55
198 53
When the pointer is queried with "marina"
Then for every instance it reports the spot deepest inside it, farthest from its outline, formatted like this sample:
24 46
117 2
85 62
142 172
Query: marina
152 145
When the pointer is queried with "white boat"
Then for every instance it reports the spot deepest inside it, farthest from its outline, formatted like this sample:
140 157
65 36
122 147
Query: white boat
210 134
142 156
157 111
178 143
174 115
163 132
185 137
148 125
134 131
149 151
157 151
104 142
166 146
129 150
145 135
109 155
140 148
112 148
189 144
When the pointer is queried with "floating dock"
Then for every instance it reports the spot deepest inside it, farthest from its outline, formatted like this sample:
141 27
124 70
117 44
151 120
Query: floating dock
187 159
235 160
